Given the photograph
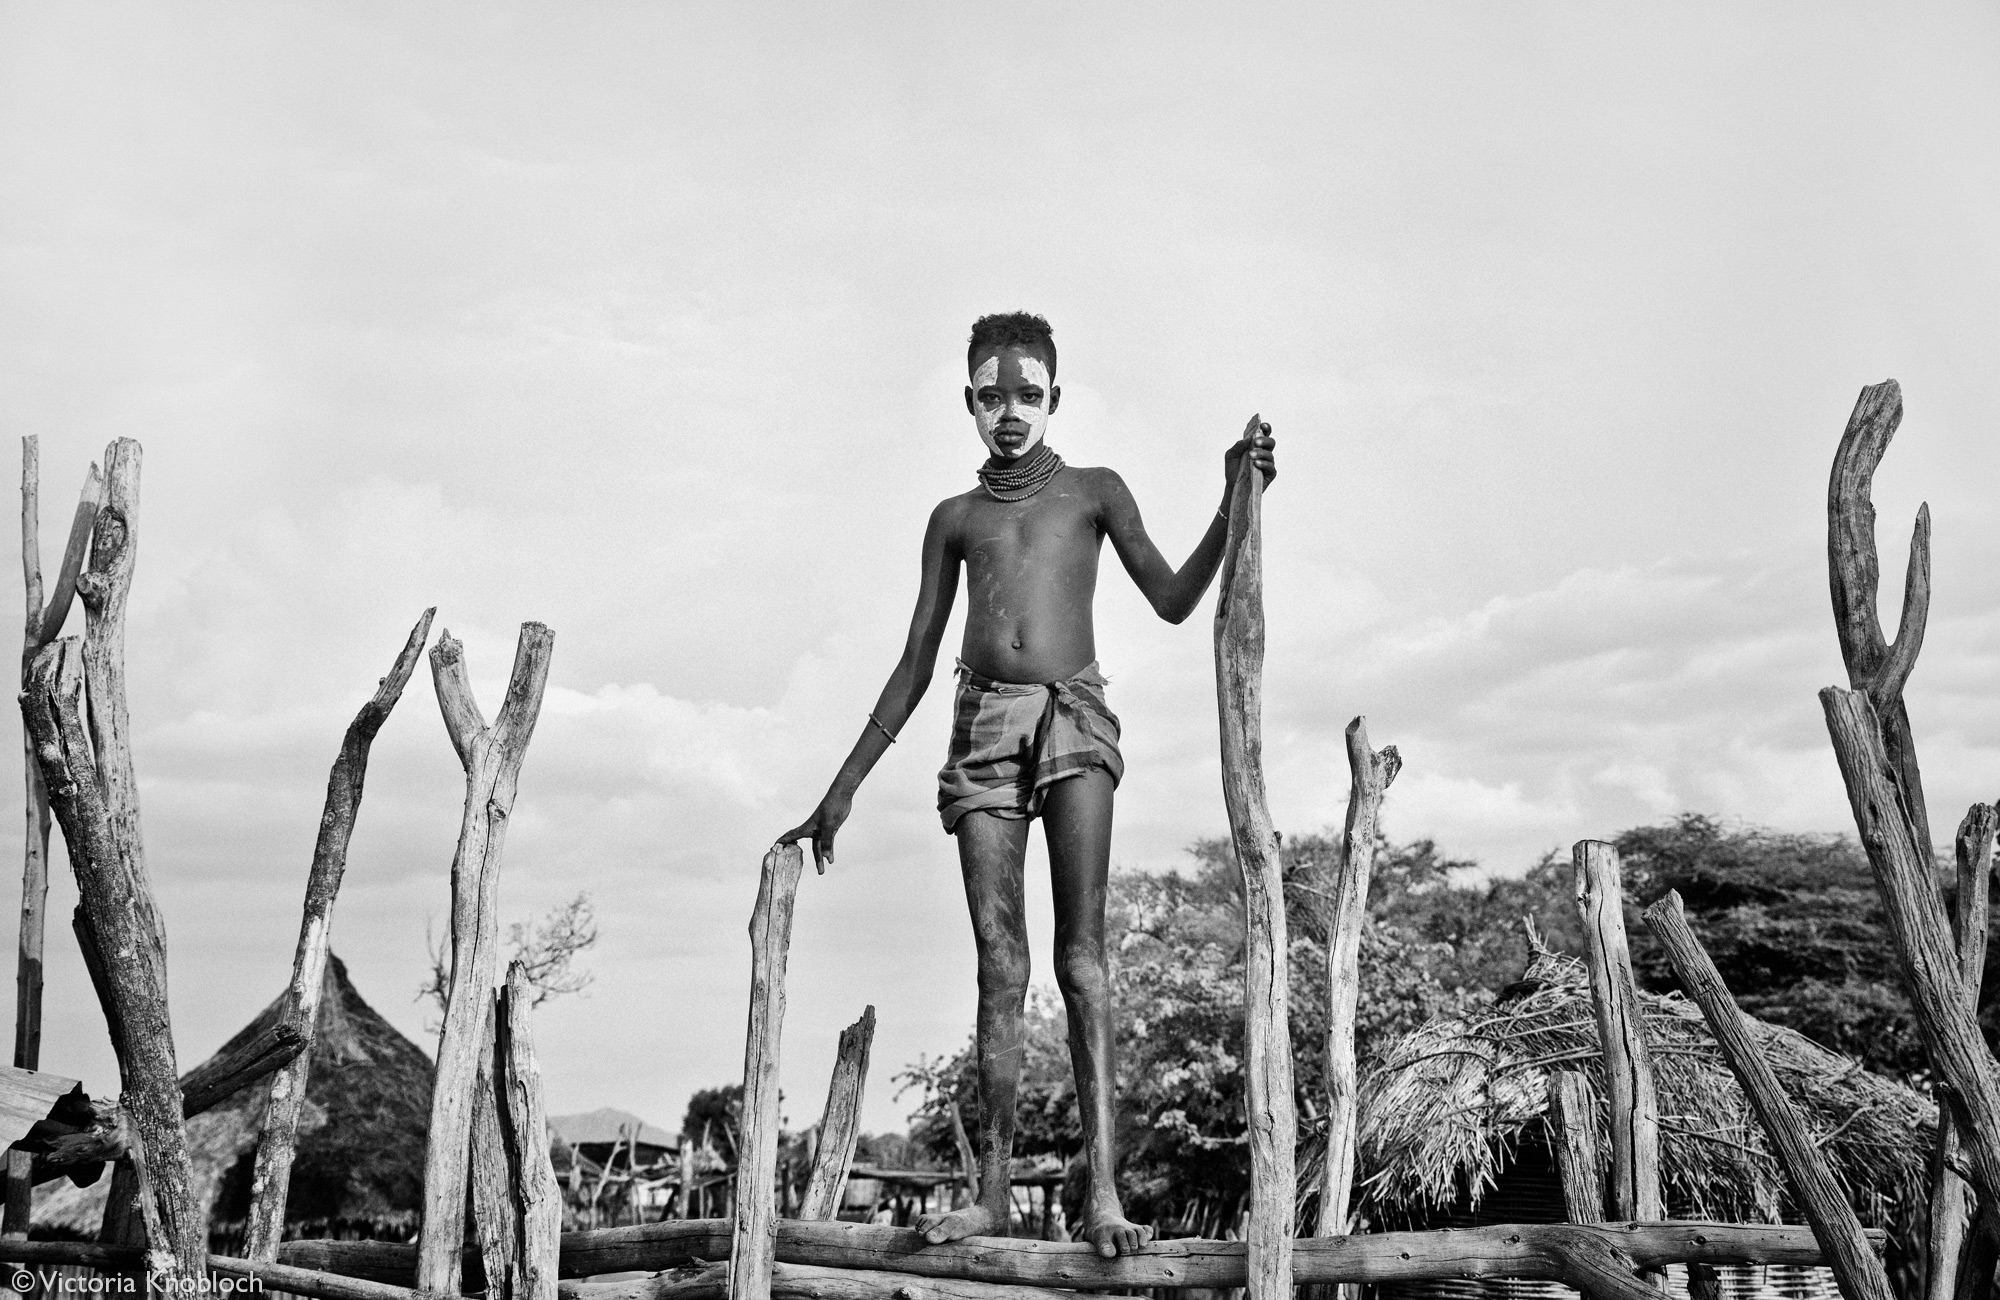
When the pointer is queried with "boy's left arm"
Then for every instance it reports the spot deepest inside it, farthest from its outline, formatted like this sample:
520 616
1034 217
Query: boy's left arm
1173 593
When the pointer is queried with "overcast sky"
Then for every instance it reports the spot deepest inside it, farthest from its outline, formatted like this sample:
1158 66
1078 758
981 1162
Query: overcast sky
647 322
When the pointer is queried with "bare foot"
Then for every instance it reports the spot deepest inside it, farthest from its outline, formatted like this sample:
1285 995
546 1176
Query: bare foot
972 1221
1112 1233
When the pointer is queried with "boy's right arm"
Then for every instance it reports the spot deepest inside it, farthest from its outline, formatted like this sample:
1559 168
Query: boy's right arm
905 687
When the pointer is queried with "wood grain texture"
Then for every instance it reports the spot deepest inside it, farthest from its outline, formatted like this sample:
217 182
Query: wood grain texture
1573 1139
1926 956
805 1282
124 923
495 1213
1634 1104
1272 1119
492 758
527 1128
840 1125
1874 664
218 1079
1369 776
271 1178
1814 1188
754 1243
1950 1195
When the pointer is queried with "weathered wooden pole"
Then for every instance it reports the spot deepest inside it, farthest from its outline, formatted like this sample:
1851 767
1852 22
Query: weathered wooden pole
1949 1208
492 759
44 621
123 920
753 1245
1573 1138
271 1180
527 1129
841 1123
1817 1191
495 1214
1628 1066
1239 698
1370 773
1906 880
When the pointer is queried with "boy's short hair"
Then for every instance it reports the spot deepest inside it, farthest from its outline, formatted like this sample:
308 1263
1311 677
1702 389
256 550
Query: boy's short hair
1011 329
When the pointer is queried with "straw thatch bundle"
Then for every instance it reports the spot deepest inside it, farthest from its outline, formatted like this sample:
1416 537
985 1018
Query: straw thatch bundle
1449 1107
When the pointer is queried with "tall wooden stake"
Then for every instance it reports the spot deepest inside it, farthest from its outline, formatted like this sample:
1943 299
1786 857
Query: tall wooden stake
1573 1134
754 1244
528 1144
123 921
271 1181
1370 774
1239 697
1628 1066
492 759
1949 1208
841 1123
43 622
1834 1223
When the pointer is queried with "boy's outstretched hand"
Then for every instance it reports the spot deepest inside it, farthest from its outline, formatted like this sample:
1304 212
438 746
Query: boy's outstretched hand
820 828
1259 445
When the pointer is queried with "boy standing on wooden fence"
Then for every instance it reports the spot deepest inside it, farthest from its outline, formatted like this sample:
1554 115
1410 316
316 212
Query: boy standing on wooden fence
1032 734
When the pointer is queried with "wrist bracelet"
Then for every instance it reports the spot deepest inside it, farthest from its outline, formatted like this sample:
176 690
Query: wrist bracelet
884 730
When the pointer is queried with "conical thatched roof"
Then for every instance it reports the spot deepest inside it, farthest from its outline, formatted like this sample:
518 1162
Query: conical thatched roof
361 1138
1446 1109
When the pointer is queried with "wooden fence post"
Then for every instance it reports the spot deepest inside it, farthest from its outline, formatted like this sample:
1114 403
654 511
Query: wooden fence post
1949 1211
1628 1066
495 1216
1239 696
123 922
841 1123
44 621
492 759
527 1128
271 1180
753 1245
1924 950
1833 1220
1573 1134
1370 774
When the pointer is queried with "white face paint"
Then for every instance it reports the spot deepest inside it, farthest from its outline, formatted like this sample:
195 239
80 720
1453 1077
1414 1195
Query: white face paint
1006 407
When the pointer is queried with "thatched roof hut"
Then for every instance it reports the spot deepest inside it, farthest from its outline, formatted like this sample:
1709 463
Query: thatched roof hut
1450 1108
359 1165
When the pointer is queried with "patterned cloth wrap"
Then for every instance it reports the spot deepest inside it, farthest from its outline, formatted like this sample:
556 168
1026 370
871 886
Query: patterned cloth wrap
1011 741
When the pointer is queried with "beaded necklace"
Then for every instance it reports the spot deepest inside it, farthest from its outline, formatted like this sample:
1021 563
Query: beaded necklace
1023 479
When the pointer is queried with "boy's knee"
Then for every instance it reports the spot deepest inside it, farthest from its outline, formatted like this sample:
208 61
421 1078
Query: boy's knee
1082 973
1003 971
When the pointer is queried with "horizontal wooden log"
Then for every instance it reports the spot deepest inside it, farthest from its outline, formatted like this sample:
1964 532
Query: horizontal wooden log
804 1282
1185 1262
394 1262
273 1277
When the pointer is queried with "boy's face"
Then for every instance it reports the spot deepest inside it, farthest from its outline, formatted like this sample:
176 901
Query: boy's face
1011 398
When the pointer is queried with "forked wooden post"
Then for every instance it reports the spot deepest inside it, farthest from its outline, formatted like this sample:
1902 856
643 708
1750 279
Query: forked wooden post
272 1176
1239 697
1834 1223
1949 1211
753 1244
1370 774
1875 665
492 759
1628 1066
842 1122
43 622
1573 1134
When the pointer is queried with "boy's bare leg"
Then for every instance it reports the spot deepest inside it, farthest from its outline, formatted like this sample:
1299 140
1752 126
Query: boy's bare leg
990 853
1077 821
